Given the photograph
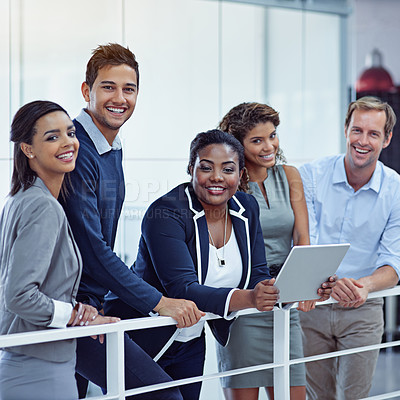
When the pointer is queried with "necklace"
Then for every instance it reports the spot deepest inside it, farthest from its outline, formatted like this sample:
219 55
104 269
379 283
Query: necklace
221 261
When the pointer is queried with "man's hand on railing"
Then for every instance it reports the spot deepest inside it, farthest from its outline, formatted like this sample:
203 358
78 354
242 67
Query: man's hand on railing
349 292
354 293
184 312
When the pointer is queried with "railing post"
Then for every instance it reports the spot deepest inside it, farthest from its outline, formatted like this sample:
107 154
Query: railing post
281 354
390 319
116 365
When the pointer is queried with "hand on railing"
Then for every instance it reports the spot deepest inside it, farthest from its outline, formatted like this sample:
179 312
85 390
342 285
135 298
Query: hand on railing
184 312
306 305
350 293
101 320
84 315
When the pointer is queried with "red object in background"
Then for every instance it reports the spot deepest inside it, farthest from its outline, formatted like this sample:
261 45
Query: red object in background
375 78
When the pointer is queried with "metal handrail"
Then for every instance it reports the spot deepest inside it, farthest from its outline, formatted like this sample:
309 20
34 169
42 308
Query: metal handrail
115 349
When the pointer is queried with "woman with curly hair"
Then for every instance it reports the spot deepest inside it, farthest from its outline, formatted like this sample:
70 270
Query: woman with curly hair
278 190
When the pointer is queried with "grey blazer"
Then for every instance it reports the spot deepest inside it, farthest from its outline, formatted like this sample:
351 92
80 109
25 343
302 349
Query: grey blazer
39 261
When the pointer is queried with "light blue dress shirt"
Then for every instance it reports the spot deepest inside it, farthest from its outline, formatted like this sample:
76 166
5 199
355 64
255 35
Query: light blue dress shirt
98 139
368 219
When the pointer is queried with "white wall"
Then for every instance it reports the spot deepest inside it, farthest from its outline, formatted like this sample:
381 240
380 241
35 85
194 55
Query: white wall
55 43
377 25
4 101
303 75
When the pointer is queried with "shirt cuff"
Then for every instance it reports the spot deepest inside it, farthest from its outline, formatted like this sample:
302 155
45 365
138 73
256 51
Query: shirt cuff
229 315
62 314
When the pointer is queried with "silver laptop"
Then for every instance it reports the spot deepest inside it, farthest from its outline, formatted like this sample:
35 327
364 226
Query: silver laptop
306 268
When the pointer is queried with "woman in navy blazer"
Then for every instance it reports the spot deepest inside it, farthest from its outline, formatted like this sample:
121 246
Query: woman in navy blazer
185 234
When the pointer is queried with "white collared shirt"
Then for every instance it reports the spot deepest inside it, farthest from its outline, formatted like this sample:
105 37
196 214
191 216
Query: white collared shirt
225 276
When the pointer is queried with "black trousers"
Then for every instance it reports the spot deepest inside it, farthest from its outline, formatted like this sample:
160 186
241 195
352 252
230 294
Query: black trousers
140 369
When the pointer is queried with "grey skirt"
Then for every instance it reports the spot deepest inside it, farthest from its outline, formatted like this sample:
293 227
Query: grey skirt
251 343
23 377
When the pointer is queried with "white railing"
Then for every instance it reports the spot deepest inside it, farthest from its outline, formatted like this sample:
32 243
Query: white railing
115 351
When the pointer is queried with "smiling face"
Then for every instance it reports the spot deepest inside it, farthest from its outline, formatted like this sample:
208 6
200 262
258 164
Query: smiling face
54 146
215 175
365 139
112 98
260 146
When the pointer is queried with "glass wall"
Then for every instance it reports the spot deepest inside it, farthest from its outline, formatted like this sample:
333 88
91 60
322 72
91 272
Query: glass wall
304 81
5 152
198 58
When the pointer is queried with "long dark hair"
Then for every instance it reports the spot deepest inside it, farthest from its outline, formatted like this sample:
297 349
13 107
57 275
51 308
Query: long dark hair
23 128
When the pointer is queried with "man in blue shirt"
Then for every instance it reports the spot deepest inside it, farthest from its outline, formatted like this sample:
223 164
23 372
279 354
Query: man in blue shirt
93 207
353 198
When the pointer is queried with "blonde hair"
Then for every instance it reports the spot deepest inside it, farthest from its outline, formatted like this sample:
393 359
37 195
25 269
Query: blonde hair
369 103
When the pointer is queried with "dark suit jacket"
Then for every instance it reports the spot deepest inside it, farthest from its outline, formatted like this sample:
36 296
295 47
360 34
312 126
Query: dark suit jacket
174 247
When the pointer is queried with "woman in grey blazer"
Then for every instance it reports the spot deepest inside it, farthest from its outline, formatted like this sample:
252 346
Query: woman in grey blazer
40 264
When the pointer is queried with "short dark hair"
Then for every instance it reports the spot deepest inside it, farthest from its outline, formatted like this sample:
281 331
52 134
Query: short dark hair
106 55
23 128
369 103
214 136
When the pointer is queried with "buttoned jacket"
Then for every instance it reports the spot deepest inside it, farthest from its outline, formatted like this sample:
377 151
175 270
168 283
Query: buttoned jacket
39 261
174 250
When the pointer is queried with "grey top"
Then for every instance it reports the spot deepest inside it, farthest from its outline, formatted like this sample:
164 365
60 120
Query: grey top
276 216
40 268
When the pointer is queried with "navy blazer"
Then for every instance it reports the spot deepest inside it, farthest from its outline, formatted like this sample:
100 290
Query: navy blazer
174 248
